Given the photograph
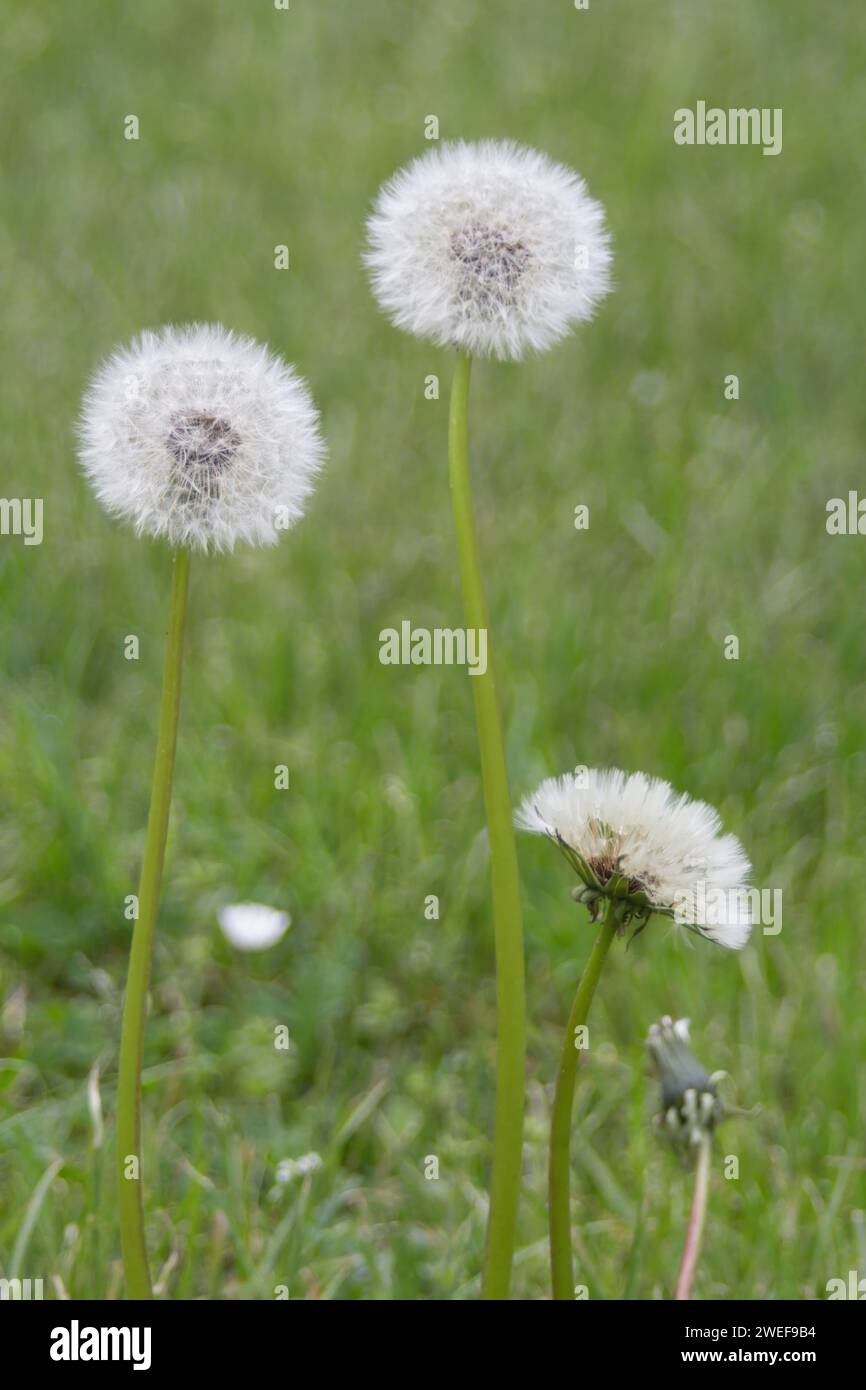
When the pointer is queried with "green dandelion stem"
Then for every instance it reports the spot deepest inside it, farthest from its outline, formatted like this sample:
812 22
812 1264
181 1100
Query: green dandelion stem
507 921
561 1267
697 1218
131 1206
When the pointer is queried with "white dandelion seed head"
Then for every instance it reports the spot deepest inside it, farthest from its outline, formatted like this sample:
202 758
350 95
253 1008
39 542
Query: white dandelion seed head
663 843
253 926
490 248
201 436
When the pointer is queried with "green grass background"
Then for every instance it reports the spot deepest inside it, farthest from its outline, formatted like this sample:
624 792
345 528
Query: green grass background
261 127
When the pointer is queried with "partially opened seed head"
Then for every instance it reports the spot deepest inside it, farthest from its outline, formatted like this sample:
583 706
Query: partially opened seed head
657 850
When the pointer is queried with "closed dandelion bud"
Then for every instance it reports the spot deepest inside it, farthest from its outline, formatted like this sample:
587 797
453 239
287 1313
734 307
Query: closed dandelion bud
690 1104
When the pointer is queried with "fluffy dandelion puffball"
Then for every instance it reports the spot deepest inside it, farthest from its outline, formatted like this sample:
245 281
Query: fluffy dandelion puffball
665 850
491 248
253 926
202 437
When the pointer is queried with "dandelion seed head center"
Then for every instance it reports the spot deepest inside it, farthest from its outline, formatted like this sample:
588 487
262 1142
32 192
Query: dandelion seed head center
604 866
202 445
491 263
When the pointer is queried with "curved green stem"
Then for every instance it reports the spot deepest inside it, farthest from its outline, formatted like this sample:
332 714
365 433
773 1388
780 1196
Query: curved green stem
696 1221
130 1203
507 921
559 1214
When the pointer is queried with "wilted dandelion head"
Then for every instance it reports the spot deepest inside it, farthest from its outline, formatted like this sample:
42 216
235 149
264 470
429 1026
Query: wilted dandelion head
690 1104
201 436
633 837
490 248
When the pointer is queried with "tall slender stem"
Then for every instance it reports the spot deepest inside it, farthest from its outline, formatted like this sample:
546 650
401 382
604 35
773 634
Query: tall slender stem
130 1202
559 1213
696 1221
507 919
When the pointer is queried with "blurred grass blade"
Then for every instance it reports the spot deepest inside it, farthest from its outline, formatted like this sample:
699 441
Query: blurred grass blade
31 1215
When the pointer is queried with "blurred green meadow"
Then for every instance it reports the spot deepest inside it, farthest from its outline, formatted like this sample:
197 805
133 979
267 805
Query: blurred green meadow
258 128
